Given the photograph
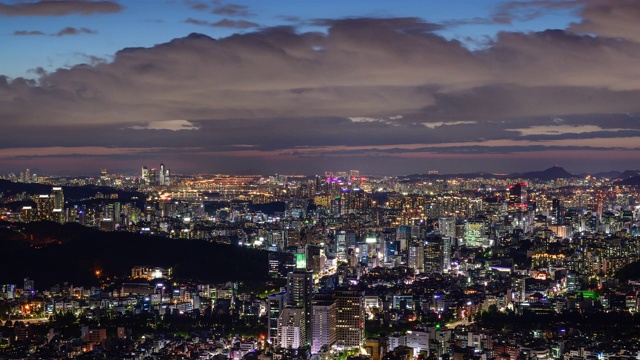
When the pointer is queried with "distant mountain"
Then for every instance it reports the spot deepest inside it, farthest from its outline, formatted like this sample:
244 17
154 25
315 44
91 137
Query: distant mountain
635 180
552 173
628 174
613 174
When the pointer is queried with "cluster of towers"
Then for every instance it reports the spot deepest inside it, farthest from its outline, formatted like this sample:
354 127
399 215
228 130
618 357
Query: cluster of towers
154 176
301 317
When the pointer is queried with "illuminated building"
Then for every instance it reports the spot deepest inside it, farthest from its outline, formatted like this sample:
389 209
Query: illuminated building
518 194
323 323
58 205
44 206
144 175
161 175
299 293
349 319
437 254
275 305
416 259
152 177
291 328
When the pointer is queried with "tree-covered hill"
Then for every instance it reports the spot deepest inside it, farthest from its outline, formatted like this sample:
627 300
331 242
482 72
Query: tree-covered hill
50 253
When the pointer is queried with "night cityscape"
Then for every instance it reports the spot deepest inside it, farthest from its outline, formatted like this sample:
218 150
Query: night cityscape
320 180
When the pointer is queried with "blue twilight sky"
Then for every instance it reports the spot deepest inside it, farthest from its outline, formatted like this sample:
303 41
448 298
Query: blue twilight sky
386 87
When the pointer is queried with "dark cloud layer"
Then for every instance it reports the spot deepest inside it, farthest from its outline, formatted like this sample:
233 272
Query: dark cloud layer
234 24
74 31
59 8
232 10
366 91
27 32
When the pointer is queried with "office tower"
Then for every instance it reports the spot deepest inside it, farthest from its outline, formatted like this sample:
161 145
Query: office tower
436 249
44 206
416 257
27 176
291 328
103 174
341 246
144 175
447 226
518 194
474 232
152 176
323 322
275 305
161 175
167 177
350 318
299 293
58 204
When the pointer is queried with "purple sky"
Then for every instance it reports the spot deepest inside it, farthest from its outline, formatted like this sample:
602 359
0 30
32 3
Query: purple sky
391 87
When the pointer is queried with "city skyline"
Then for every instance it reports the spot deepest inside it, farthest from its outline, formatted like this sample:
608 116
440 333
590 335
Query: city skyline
257 87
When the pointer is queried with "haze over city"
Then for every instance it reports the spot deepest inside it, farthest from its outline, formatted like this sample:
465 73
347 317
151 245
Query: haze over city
387 87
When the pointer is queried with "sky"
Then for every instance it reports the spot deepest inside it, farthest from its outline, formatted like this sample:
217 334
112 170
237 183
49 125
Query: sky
304 87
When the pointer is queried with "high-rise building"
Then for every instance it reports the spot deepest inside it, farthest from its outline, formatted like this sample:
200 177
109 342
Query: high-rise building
275 305
416 257
518 194
447 226
144 175
58 204
437 254
299 294
291 328
167 177
350 318
152 177
161 175
44 206
323 323
103 174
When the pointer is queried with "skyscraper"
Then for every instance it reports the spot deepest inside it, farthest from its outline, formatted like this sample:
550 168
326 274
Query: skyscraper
350 318
275 305
299 293
437 254
161 175
58 204
323 323
144 175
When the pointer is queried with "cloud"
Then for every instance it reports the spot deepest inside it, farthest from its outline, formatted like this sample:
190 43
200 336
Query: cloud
237 24
197 5
615 19
367 68
173 125
59 8
74 31
564 129
27 32
373 83
232 10
433 125
511 11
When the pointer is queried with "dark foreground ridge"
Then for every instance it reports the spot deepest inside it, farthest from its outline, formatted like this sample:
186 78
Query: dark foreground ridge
50 253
